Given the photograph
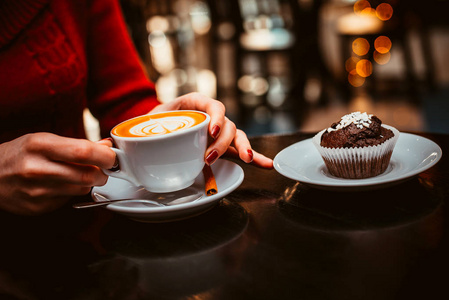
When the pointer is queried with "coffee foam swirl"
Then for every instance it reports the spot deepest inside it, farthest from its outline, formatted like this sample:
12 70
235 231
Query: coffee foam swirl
162 126
158 124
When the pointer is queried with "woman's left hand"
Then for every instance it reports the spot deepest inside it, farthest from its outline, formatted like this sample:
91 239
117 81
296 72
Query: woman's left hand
226 137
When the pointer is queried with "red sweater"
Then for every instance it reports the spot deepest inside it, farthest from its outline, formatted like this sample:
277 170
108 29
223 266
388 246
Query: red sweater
58 57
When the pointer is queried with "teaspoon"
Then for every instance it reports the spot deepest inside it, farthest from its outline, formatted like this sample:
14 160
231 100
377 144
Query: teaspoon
105 201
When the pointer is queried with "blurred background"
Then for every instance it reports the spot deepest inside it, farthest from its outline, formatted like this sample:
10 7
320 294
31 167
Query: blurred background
281 66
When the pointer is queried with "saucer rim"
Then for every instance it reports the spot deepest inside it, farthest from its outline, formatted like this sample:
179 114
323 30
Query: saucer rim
204 201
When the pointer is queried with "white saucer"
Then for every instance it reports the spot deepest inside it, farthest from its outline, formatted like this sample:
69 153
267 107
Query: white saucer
412 155
228 176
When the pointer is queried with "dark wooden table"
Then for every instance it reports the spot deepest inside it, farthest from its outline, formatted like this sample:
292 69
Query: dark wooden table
272 238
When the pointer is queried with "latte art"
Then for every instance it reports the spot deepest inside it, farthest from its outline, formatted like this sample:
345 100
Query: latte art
159 124
162 126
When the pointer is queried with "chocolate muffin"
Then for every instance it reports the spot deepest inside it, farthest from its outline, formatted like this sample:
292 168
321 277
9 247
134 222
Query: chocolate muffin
358 146
356 130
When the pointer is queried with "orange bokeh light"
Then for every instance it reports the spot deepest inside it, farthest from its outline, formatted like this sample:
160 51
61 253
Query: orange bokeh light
369 11
360 5
351 63
384 11
381 58
355 79
382 44
360 46
364 68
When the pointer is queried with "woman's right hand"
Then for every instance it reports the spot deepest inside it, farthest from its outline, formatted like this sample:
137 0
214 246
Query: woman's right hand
39 172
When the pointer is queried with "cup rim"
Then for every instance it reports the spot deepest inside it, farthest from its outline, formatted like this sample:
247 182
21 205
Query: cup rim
165 136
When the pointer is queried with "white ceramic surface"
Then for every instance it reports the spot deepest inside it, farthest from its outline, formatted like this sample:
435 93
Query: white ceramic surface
228 176
412 155
162 163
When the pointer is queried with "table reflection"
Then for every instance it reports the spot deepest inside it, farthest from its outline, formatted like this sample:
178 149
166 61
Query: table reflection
173 259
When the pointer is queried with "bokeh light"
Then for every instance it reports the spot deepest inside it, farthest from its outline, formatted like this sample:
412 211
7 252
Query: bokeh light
384 11
369 11
359 24
157 23
364 68
207 83
360 5
381 58
382 44
260 86
355 79
360 46
351 63
200 18
358 69
162 55
244 83
251 84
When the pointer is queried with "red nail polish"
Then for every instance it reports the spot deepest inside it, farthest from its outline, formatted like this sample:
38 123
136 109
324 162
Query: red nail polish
211 157
215 131
251 155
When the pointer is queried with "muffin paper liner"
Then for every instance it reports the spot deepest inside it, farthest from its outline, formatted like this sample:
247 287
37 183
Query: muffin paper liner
362 162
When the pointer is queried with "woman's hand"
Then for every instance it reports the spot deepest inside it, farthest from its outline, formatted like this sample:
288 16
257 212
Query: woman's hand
39 172
227 138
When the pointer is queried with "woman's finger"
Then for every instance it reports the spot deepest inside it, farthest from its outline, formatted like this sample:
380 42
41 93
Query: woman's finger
243 146
262 161
106 142
214 108
36 169
221 144
64 149
259 160
196 101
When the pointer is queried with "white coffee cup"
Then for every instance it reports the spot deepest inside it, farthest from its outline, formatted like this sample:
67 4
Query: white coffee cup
162 152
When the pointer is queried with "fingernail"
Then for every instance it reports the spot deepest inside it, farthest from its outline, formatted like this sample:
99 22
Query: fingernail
251 154
211 157
106 139
116 166
215 131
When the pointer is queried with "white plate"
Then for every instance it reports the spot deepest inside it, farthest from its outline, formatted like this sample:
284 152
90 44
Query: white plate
228 176
412 155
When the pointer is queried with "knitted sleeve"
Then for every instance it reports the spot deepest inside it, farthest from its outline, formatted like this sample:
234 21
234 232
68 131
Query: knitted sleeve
117 87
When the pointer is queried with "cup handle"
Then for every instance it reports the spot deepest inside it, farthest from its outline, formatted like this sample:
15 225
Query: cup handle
125 170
